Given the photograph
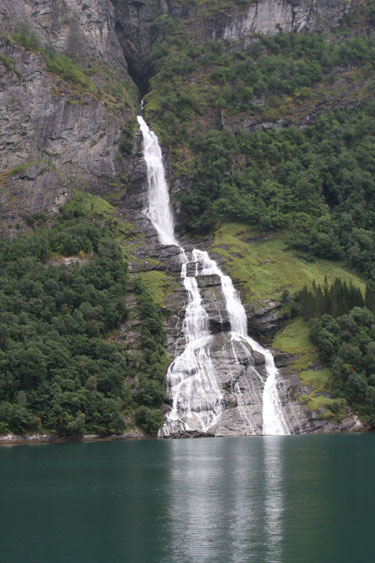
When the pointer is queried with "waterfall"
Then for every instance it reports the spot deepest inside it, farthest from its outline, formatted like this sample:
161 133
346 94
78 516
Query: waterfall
158 211
198 400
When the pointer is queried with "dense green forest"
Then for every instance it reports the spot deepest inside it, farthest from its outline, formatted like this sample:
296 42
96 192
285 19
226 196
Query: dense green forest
342 325
347 345
61 369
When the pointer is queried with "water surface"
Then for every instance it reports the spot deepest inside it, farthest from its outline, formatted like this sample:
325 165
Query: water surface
259 499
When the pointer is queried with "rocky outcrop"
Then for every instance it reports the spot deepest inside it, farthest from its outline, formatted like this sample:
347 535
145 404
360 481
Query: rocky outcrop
63 134
269 17
82 29
301 419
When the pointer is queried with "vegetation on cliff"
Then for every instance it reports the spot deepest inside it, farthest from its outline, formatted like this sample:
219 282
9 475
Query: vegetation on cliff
347 345
149 394
278 137
61 368
210 102
274 144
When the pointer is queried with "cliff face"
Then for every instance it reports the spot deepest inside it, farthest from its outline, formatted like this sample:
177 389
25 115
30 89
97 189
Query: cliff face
270 17
79 28
65 134
59 133
137 32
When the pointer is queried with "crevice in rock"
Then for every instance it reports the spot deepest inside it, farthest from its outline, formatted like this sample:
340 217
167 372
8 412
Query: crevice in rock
138 74
140 79
133 27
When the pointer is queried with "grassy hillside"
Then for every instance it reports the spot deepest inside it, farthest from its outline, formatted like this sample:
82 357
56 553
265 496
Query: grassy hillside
265 267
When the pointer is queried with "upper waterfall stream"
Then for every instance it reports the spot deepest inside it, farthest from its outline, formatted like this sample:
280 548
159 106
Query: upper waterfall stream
215 385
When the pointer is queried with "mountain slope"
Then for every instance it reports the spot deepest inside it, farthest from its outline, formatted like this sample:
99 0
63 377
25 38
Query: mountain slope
266 116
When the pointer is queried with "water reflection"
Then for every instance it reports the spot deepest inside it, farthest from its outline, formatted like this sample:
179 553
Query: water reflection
273 497
258 500
225 500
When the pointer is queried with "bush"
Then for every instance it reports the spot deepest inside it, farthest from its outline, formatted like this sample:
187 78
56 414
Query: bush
27 37
149 420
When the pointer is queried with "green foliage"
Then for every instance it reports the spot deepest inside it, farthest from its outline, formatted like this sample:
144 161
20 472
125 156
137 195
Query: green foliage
335 300
347 345
57 370
149 393
316 181
68 70
266 269
86 205
292 178
295 339
327 407
194 78
27 37
63 66
158 285
9 64
150 420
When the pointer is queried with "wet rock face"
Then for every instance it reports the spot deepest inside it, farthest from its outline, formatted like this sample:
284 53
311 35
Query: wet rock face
214 303
237 401
242 383
71 134
301 419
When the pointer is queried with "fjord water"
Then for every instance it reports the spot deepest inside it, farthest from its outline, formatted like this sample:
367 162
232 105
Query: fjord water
270 499
191 380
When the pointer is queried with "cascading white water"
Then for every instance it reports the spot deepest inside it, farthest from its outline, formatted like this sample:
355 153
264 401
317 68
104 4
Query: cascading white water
158 211
273 420
197 399
191 376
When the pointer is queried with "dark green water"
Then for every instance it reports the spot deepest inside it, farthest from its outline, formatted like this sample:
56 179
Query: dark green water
290 499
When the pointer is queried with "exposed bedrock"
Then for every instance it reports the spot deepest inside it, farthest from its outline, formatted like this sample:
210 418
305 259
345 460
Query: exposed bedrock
272 16
68 130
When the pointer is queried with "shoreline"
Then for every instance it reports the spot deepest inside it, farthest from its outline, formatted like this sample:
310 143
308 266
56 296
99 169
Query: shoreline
38 439
35 439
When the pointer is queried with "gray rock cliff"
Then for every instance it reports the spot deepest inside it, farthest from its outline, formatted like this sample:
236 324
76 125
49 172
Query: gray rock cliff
69 135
